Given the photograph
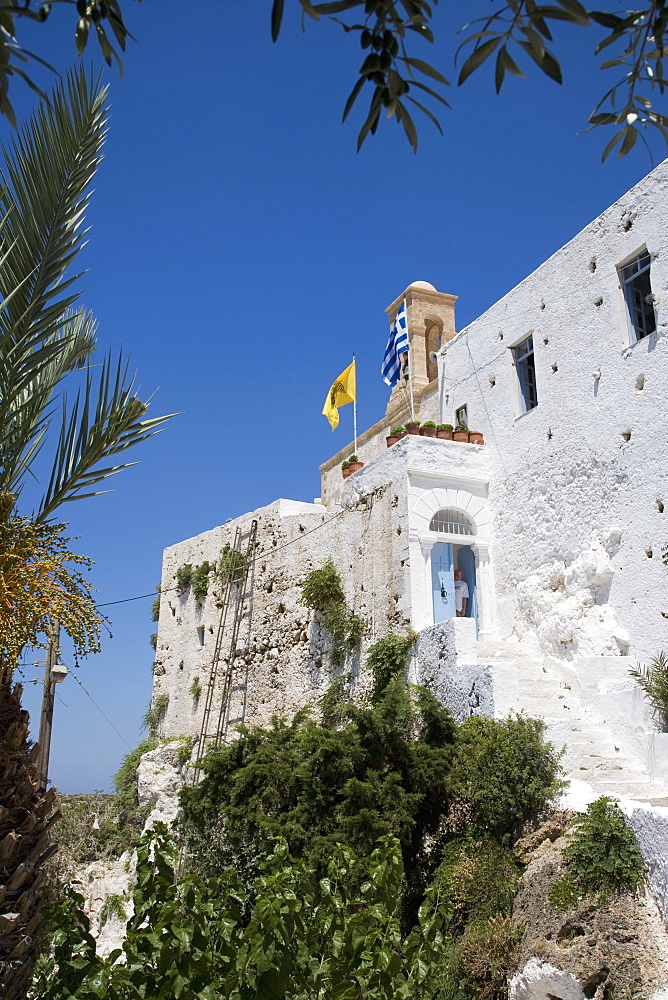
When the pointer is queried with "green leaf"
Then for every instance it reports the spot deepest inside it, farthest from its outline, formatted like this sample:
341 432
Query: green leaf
477 58
428 70
276 18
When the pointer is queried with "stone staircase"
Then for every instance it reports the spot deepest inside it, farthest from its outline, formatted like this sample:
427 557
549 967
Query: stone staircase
549 689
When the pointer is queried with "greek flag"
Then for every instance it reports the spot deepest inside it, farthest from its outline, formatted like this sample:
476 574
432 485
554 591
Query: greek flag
396 345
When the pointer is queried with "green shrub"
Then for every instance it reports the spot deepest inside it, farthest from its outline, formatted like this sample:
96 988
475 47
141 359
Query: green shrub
461 427
480 877
488 954
125 779
322 588
230 565
387 658
155 714
353 458
654 682
155 606
398 430
200 581
91 827
503 772
429 423
112 907
444 427
196 689
184 753
153 640
346 630
360 774
602 855
184 575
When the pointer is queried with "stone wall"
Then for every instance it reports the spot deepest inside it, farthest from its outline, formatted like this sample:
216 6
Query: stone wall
283 662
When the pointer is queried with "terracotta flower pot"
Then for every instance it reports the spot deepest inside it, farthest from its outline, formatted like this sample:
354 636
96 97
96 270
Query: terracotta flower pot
354 467
444 435
475 437
460 435
428 432
413 428
401 434
347 472
391 439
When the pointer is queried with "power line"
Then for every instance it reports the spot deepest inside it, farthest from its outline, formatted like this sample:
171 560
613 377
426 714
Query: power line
72 674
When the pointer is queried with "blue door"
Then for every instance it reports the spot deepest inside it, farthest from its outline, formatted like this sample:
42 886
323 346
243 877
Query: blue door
466 563
443 582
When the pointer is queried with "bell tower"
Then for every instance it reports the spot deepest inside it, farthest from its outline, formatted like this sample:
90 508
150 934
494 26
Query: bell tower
430 318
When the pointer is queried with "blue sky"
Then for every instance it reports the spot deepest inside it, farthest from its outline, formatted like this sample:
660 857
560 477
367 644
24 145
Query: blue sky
241 250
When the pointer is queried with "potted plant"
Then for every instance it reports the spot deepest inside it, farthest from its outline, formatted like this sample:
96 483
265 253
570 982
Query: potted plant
412 426
391 439
400 432
354 464
475 437
345 469
444 431
428 429
461 433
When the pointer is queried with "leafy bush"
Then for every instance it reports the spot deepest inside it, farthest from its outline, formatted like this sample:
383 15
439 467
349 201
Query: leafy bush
155 606
153 640
353 458
187 939
322 588
654 682
367 772
113 906
503 772
387 659
200 581
488 954
196 689
480 877
461 427
230 565
345 628
429 423
155 714
444 427
398 430
184 575
602 854
125 779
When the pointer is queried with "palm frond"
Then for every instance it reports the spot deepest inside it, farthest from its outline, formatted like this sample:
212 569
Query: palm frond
105 419
46 177
34 377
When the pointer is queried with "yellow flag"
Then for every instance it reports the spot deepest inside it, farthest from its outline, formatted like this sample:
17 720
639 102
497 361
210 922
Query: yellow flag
342 392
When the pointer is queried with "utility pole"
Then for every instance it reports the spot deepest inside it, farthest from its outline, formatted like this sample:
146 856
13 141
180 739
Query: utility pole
48 699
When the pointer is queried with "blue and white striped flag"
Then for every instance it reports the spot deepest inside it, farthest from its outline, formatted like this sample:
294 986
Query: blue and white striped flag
396 345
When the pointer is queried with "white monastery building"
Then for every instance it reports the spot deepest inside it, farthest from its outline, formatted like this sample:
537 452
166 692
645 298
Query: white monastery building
557 524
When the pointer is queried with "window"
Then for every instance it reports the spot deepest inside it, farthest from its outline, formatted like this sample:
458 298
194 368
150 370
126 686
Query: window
526 374
637 289
452 522
200 636
461 417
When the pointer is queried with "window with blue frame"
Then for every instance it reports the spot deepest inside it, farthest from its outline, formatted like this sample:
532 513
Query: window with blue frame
526 374
635 279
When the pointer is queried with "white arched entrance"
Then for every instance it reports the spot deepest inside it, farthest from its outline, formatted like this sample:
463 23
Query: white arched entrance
446 516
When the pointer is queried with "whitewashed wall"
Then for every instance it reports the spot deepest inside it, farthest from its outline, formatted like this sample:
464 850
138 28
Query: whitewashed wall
576 525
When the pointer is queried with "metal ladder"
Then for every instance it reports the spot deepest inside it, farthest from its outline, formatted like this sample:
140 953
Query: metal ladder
222 667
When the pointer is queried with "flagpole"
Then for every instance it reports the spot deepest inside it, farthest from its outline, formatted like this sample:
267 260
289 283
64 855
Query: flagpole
410 382
355 409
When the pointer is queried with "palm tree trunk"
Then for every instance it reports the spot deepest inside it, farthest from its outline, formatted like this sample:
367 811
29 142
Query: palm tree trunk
26 814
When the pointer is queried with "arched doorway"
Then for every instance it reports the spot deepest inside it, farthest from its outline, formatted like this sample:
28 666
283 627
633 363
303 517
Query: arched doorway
446 558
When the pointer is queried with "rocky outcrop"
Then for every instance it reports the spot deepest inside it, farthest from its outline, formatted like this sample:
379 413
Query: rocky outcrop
590 950
107 885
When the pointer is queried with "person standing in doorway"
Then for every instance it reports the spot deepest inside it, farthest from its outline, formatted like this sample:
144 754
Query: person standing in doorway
461 594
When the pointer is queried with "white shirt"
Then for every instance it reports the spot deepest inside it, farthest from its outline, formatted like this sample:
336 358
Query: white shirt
461 591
